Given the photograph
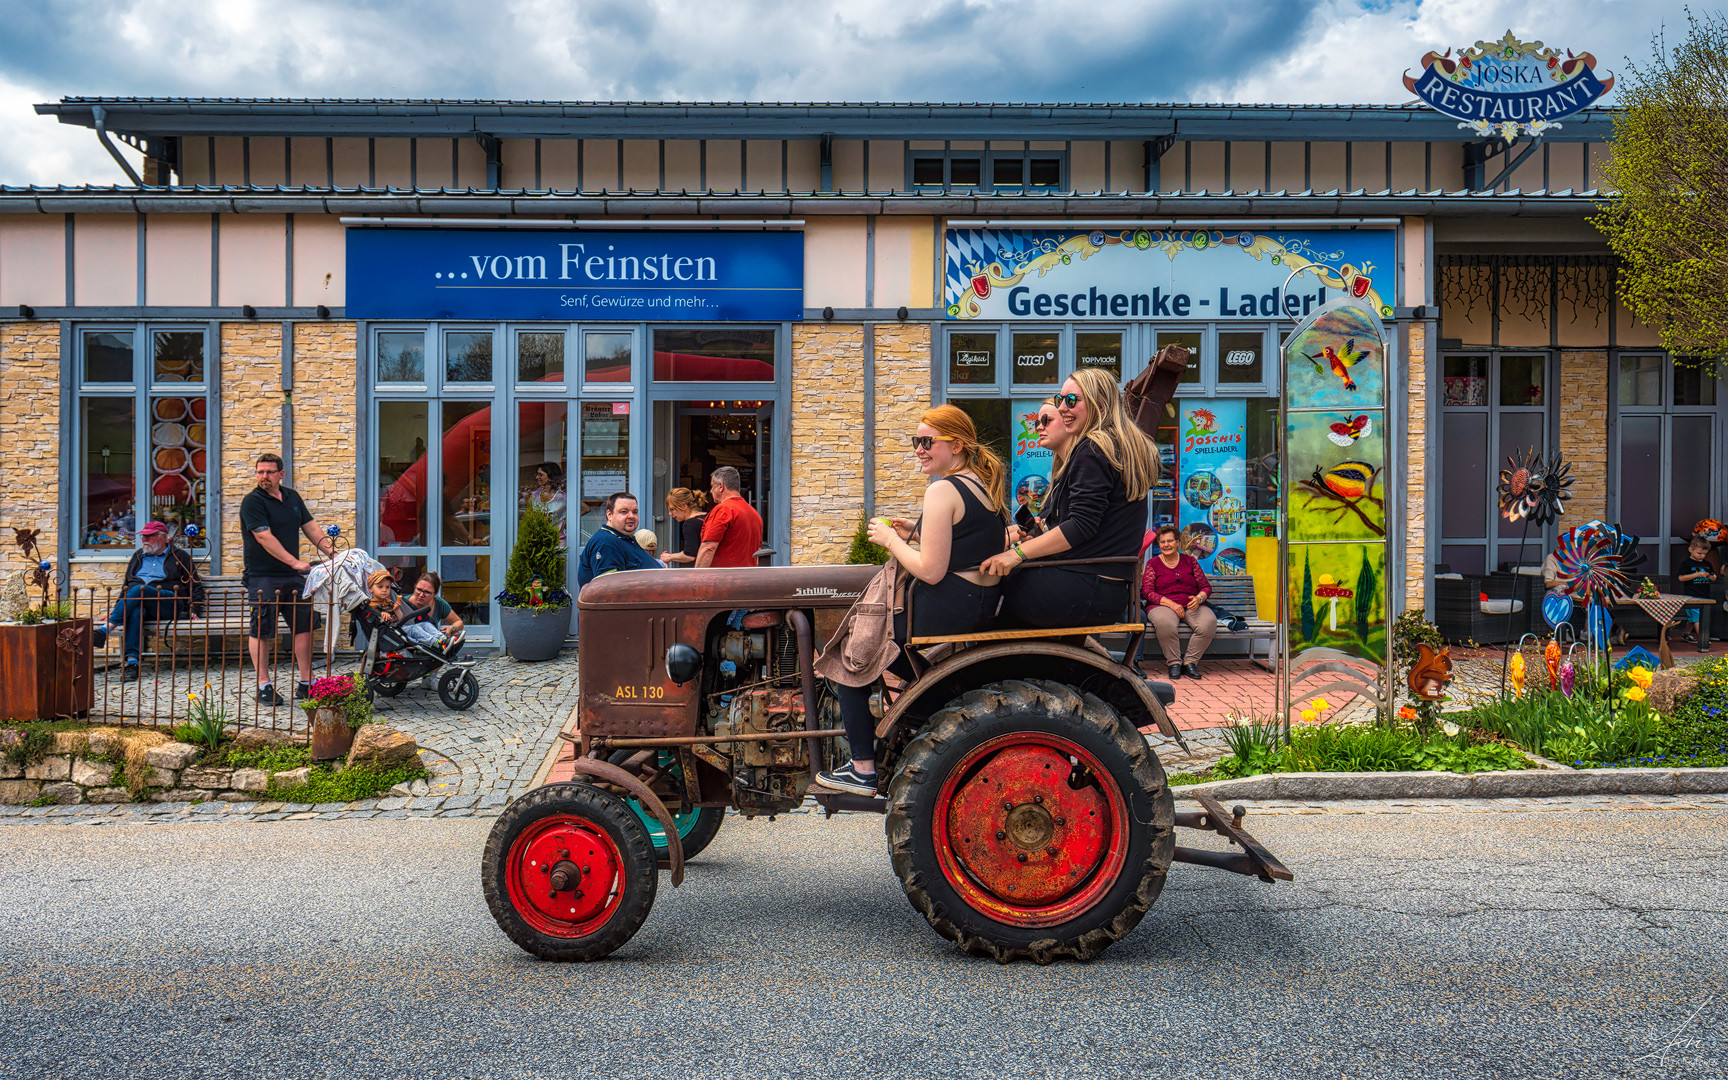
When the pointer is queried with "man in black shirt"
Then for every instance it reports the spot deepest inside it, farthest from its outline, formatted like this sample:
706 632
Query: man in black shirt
272 517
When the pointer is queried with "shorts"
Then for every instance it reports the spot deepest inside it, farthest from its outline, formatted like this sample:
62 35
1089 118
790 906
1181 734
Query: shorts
273 595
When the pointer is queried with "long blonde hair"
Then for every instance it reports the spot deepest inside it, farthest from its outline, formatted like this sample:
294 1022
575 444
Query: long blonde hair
686 499
956 427
1123 445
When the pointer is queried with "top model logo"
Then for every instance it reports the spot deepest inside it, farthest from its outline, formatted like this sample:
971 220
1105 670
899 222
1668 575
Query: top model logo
1508 88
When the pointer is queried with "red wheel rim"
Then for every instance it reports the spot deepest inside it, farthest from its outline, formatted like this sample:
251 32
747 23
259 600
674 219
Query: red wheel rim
565 849
1031 830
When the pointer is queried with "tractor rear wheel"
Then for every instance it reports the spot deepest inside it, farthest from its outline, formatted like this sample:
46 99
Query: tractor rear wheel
1029 821
569 872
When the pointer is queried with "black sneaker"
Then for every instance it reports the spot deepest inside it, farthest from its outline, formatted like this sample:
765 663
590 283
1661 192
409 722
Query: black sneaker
130 672
1175 672
1191 670
848 779
303 691
99 637
267 695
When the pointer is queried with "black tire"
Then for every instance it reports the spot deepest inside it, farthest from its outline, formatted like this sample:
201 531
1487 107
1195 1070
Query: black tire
698 828
458 689
579 824
388 689
946 872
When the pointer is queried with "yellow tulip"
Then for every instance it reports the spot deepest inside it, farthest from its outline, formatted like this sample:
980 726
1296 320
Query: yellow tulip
1642 677
1310 716
1321 703
1635 693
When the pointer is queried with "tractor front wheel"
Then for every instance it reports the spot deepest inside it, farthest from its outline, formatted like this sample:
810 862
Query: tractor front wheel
1029 821
569 872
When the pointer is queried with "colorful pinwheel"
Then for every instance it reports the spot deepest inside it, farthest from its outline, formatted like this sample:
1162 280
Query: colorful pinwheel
1590 564
1531 489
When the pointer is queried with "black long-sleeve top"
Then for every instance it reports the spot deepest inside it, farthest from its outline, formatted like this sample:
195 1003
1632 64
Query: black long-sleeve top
1090 504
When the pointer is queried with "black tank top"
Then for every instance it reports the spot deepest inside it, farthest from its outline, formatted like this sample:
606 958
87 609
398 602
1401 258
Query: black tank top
979 532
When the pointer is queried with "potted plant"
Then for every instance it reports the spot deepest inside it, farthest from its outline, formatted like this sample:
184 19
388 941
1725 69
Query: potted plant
536 609
44 650
338 706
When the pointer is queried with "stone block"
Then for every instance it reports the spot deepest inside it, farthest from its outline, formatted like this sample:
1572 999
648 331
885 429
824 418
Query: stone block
19 792
293 778
174 755
1700 781
70 743
1524 784
162 778
208 778
1389 785
92 773
1247 787
1627 781
108 795
10 770
183 794
100 742
265 739
383 748
233 796
66 794
250 780
52 767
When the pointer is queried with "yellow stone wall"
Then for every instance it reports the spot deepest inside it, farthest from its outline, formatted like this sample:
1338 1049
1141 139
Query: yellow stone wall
902 395
826 426
251 374
326 427
1584 431
30 433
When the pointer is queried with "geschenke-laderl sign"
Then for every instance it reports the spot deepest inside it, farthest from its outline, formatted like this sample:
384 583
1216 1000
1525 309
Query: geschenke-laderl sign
1117 274
568 274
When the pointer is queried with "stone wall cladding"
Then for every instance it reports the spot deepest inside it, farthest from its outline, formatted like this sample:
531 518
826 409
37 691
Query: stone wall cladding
251 374
902 395
826 424
1584 431
1416 472
326 427
30 432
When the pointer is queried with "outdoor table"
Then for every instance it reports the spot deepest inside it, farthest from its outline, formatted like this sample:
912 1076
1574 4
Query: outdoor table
1665 608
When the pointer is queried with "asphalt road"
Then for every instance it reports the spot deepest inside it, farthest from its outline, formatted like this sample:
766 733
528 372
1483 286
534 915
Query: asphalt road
1591 944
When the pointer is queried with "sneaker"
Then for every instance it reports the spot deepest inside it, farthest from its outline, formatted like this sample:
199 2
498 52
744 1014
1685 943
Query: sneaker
1191 670
130 672
99 637
267 695
848 779
303 691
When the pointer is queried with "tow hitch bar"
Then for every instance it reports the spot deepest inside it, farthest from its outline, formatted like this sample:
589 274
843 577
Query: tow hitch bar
1253 860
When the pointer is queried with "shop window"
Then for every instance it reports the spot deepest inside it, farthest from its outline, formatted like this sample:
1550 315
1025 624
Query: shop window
468 356
1099 349
966 172
1008 172
1190 340
542 470
1241 358
400 438
972 359
606 356
468 587
1035 357
605 461
1641 380
1523 379
540 356
927 172
720 354
1045 172
401 356
1466 380
143 426
992 417
465 496
1694 385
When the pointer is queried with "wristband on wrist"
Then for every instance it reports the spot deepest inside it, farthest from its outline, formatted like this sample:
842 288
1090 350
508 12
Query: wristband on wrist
1018 550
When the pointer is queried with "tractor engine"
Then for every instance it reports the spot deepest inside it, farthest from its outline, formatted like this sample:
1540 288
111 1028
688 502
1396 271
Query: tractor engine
755 689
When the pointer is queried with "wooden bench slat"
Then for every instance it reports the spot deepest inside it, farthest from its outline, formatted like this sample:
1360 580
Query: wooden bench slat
1014 635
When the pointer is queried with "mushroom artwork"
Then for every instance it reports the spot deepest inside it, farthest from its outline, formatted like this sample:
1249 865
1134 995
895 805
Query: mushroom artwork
1327 589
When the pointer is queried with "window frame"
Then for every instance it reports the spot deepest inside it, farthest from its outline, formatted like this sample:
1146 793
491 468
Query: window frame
987 160
139 389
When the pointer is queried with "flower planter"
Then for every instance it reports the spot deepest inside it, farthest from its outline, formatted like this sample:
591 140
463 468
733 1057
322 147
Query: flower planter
45 670
534 634
331 735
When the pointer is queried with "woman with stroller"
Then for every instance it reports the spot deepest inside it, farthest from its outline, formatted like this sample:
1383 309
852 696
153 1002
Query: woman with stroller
1104 466
964 521
385 606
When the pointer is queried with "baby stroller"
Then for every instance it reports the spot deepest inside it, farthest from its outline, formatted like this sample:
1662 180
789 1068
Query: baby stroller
393 660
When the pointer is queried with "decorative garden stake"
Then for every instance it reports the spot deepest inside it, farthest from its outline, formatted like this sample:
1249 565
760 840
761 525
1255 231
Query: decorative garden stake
1517 674
1427 681
1551 655
1534 493
1568 677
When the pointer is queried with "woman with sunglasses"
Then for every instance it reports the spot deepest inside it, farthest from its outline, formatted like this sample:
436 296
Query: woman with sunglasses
1096 509
964 522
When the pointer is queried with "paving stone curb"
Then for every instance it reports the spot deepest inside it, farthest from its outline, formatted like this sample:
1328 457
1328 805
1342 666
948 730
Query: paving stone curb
1525 784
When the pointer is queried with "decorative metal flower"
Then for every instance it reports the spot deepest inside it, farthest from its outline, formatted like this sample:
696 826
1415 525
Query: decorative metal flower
1530 488
1590 564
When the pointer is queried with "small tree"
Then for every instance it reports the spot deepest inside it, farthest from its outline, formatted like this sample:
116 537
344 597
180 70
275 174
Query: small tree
537 554
1367 592
862 551
1308 620
1668 222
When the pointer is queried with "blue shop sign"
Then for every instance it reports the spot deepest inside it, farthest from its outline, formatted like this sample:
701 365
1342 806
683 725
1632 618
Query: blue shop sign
568 274
1509 87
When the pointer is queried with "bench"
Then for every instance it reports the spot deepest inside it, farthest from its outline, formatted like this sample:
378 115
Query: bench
1235 594
227 615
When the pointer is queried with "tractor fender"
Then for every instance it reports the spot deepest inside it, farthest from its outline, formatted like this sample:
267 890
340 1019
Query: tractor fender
612 774
1040 659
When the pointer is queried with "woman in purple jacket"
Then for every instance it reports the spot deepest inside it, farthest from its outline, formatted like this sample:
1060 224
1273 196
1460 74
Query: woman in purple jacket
1175 590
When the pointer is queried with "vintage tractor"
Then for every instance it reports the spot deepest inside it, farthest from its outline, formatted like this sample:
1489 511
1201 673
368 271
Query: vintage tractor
1026 815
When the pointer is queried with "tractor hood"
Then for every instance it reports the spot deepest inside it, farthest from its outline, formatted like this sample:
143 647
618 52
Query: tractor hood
754 586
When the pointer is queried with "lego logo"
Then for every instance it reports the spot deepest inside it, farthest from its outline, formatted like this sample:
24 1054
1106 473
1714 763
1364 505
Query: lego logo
1240 358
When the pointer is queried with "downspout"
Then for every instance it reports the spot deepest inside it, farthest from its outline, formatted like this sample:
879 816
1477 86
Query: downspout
100 115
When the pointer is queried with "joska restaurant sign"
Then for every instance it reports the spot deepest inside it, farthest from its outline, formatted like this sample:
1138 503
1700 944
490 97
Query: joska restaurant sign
1153 274
568 274
1508 87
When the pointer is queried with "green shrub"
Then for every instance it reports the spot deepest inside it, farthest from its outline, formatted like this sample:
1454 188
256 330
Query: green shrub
1697 733
269 758
34 742
1410 631
1372 748
1580 730
863 552
538 554
326 785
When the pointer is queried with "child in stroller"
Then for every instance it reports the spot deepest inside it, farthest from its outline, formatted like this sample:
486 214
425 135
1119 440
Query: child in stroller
405 646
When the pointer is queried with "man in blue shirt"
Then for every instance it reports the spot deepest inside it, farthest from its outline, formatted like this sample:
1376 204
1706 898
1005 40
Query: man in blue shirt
613 545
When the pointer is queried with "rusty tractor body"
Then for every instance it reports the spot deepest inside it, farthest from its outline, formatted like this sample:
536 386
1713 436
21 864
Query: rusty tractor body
1026 815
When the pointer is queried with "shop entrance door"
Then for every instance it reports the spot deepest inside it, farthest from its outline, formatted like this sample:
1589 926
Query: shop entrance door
693 438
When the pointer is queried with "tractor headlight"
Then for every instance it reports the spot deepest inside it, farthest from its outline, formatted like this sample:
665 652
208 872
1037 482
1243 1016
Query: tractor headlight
682 663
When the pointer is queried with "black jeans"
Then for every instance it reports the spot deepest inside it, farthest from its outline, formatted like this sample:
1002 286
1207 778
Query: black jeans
1054 596
951 606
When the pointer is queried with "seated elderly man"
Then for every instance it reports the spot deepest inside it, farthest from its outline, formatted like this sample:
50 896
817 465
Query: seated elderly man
161 584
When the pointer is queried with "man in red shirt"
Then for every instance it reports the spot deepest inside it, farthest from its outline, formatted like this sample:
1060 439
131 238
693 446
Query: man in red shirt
732 532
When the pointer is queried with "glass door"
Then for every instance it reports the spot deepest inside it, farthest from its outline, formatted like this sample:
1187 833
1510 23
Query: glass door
1494 405
1666 456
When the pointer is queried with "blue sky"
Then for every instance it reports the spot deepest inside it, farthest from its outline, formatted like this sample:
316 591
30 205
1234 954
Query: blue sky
1334 51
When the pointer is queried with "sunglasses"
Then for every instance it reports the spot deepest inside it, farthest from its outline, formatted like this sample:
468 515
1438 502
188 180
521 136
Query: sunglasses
1066 401
1043 422
925 442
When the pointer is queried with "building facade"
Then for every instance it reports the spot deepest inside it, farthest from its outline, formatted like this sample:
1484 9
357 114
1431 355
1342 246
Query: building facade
436 309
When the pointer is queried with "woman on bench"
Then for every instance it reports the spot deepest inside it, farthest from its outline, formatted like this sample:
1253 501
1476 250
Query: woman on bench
964 522
1175 590
1096 509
